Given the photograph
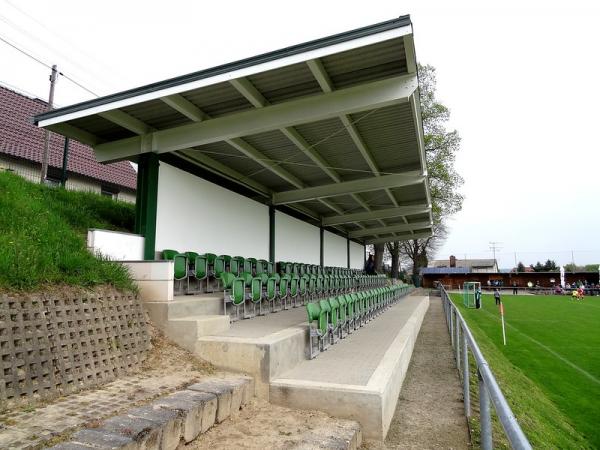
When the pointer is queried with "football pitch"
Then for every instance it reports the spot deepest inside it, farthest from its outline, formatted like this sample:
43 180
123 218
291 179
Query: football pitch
555 342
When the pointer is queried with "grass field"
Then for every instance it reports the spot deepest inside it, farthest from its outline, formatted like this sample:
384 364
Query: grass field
552 351
43 236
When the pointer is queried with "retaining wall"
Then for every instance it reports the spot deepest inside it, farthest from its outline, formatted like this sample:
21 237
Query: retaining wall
55 344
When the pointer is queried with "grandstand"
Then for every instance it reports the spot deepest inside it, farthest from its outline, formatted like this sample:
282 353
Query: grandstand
296 159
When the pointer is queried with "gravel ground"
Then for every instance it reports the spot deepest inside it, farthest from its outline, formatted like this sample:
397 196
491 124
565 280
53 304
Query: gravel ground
430 411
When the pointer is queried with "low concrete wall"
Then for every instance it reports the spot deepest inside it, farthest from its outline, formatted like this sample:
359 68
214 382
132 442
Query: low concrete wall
116 245
59 343
154 279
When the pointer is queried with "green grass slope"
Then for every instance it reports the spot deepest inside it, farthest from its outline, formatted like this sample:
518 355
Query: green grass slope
550 368
43 236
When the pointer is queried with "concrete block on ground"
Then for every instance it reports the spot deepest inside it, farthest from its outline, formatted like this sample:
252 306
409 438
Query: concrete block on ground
222 390
344 435
143 432
192 406
170 422
103 439
239 396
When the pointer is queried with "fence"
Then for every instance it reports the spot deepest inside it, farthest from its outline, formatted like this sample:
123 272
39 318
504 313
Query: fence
489 391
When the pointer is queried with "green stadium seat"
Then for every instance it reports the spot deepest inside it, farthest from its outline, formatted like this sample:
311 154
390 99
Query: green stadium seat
343 314
294 290
180 268
271 292
200 272
318 328
256 295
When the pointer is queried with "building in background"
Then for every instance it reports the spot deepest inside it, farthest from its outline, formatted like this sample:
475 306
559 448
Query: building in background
471 265
22 143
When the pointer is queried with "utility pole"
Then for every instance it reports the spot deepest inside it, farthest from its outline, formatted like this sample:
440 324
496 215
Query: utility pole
494 246
53 77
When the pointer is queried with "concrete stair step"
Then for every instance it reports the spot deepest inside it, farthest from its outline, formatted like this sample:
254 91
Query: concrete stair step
185 306
186 330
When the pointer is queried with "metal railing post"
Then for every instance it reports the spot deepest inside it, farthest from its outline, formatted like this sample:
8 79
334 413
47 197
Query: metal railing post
465 367
457 341
485 415
451 326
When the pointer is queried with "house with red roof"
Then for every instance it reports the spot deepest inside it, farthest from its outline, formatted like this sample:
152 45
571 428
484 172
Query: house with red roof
22 144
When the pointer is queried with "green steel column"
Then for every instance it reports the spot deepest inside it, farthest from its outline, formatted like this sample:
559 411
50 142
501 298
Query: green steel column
272 234
322 235
145 205
348 250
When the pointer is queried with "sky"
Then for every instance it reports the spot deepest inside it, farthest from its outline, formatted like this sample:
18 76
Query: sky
520 79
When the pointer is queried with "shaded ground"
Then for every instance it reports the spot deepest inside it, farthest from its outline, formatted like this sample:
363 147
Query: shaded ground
430 411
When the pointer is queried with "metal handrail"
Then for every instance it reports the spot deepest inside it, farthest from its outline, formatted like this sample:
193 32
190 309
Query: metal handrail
489 391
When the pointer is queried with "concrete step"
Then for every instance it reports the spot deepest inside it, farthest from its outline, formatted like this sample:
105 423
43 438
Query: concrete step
185 306
186 331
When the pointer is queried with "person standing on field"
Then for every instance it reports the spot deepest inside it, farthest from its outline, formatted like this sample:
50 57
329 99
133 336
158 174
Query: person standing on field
515 288
497 296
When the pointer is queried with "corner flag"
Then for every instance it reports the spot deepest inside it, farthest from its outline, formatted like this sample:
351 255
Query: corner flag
502 317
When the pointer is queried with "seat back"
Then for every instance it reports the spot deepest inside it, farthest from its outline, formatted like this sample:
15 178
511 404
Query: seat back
302 285
201 267
210 257
315 312
219 267
238 291
181 266
343 307
256 286
169 254
283 286
294 285
272 288
250 265
247 277
237 265
335 311
261 266
270 267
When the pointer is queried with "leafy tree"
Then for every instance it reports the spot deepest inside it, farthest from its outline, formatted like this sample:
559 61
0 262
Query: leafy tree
441 146
520 267
591 267
550 266
539 267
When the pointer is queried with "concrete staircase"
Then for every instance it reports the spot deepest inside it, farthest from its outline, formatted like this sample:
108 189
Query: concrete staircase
187 318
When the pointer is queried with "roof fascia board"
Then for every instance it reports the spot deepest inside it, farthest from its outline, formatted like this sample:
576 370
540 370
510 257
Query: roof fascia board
304 110
224 74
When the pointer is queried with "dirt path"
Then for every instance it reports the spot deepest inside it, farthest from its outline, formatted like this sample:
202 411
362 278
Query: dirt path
430 413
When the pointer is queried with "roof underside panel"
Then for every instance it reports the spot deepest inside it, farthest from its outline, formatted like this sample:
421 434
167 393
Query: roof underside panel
373 62
286 83
218 99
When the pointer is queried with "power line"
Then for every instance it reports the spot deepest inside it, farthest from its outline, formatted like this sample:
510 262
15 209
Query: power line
29 55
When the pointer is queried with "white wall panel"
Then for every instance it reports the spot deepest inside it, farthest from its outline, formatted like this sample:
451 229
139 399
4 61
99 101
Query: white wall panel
295 240
194 214
115 245
335 250
357 256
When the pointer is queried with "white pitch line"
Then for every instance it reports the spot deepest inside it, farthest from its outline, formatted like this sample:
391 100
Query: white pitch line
552 352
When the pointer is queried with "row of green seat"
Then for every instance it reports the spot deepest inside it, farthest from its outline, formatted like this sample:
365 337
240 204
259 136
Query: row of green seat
203 267
338 316
279 292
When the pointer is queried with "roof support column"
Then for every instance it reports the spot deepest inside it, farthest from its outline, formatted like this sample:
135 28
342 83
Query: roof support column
321 239
348 251
145 205
272 234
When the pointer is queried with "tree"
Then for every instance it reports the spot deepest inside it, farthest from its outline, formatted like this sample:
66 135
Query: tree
591 267
520 267
441 147
550 266
538 267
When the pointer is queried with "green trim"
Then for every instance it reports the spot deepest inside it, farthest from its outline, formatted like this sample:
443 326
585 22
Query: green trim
322 238
272 234
145 205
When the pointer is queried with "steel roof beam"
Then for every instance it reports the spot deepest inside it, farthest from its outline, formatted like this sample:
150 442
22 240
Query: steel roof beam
126 121
294 112
404 237
185 107
375 214
348 187
389 229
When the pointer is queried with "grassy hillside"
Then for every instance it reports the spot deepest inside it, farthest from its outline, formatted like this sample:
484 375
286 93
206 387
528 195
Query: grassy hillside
555 403
43 236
